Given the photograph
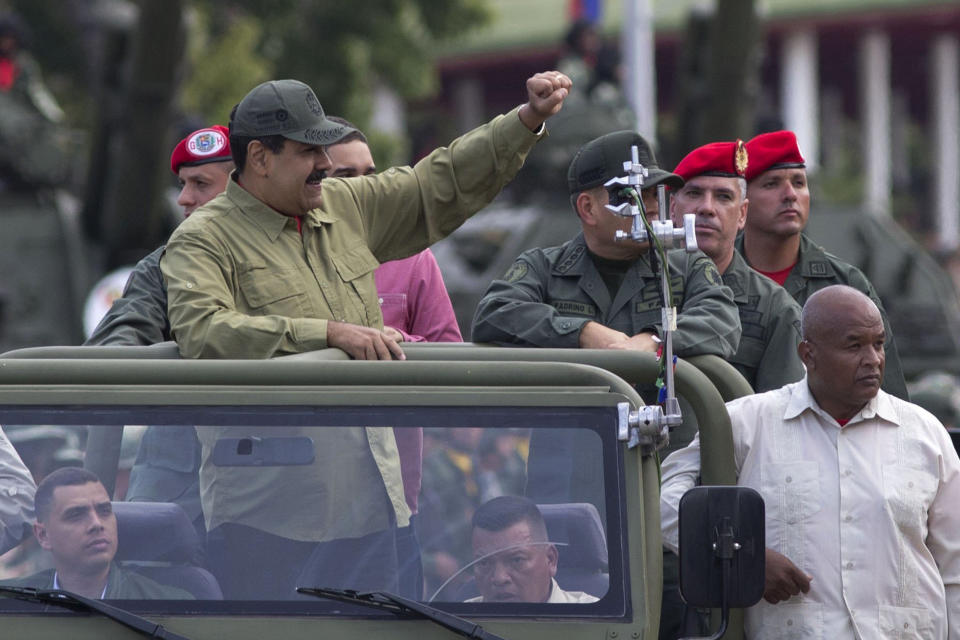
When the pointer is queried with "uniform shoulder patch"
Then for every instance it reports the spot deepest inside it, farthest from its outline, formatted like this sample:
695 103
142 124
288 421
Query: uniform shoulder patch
711 274
516 271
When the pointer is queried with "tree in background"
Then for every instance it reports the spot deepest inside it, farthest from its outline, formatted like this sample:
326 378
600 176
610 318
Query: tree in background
344 50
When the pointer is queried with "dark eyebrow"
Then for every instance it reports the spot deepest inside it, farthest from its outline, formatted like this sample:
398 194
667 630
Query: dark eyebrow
75 511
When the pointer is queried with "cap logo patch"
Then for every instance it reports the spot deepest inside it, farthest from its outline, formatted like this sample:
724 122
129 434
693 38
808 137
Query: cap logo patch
206 143
313 104
740 158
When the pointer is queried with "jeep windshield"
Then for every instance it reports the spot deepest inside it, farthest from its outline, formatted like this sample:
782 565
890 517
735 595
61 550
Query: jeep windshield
227 494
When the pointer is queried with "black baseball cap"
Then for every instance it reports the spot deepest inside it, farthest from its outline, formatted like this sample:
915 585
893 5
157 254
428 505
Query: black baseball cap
288 108
602 159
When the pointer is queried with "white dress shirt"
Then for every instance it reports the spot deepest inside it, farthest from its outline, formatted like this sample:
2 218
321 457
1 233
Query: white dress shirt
871 510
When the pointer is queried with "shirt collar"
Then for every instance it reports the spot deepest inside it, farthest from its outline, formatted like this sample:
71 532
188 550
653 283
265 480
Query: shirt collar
103 594
267 219
880 406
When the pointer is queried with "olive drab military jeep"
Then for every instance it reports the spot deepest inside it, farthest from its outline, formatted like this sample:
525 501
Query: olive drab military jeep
564 428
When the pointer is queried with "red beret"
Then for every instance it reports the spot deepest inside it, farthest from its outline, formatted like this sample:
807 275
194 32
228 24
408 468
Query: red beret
723 159
200 147
774 150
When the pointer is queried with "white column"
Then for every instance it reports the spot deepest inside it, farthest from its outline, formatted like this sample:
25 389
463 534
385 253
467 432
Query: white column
800 92
945 98
639 69
468 102
388 114
875 120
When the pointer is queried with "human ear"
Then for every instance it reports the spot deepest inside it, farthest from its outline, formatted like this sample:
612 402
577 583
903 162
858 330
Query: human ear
40 532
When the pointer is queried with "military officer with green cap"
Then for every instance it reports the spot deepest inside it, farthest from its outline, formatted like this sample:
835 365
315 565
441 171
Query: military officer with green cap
283 263
596 292
774 244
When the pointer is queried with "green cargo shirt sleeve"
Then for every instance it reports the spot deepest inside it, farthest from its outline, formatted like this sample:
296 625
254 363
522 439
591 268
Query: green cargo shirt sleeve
514 310
707 320
404 210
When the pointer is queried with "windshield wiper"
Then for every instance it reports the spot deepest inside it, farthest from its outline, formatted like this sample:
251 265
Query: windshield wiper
402 607
75 602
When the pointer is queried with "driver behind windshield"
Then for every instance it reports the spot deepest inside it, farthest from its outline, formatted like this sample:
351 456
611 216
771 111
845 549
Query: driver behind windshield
514 561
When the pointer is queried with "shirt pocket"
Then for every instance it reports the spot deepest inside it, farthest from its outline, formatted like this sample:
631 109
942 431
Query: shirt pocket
792 622
907 493
903 623
791 490
273 291
355 266
394 308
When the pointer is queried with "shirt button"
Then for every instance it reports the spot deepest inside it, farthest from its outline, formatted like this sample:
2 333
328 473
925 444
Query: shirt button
189 285
848 518
380 300
910 484
789 479
849 565
789 623
906 625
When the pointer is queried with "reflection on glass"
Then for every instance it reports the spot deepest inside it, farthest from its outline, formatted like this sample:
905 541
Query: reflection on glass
243 512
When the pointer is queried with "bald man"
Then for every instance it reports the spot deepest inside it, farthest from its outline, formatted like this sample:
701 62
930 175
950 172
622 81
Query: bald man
861 490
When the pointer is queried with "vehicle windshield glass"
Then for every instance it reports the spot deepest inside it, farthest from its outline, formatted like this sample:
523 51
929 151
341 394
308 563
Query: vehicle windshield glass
506 511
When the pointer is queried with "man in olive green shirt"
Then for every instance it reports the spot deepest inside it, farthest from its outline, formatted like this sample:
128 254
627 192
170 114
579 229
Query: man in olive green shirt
281 264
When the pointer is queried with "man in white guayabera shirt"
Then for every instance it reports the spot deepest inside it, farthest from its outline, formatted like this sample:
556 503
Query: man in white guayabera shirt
862 491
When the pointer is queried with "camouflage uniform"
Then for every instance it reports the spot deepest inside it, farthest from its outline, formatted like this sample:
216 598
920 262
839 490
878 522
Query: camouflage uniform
770 323
548 295
816 269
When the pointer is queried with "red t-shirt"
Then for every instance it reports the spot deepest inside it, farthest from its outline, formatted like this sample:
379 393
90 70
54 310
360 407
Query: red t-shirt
778 276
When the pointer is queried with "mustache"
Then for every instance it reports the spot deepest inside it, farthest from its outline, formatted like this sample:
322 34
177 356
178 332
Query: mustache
317 176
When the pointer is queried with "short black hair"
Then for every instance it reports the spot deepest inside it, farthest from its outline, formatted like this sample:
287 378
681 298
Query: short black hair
239 144
350 137
63 477
503 512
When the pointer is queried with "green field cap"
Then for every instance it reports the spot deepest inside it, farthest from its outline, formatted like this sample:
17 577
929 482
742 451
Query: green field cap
288 108
603 158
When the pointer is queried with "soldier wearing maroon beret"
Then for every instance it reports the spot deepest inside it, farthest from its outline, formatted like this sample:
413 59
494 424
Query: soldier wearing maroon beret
715 191
202 163
774 244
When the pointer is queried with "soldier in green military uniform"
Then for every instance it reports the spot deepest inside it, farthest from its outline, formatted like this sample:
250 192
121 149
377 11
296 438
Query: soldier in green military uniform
774 244
715 190
595 292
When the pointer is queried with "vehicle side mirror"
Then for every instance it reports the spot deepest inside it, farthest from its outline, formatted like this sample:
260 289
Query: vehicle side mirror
722 547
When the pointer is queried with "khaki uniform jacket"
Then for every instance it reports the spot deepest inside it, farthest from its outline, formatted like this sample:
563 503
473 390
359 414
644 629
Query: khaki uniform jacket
816 269
242 282
770 324
549 294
